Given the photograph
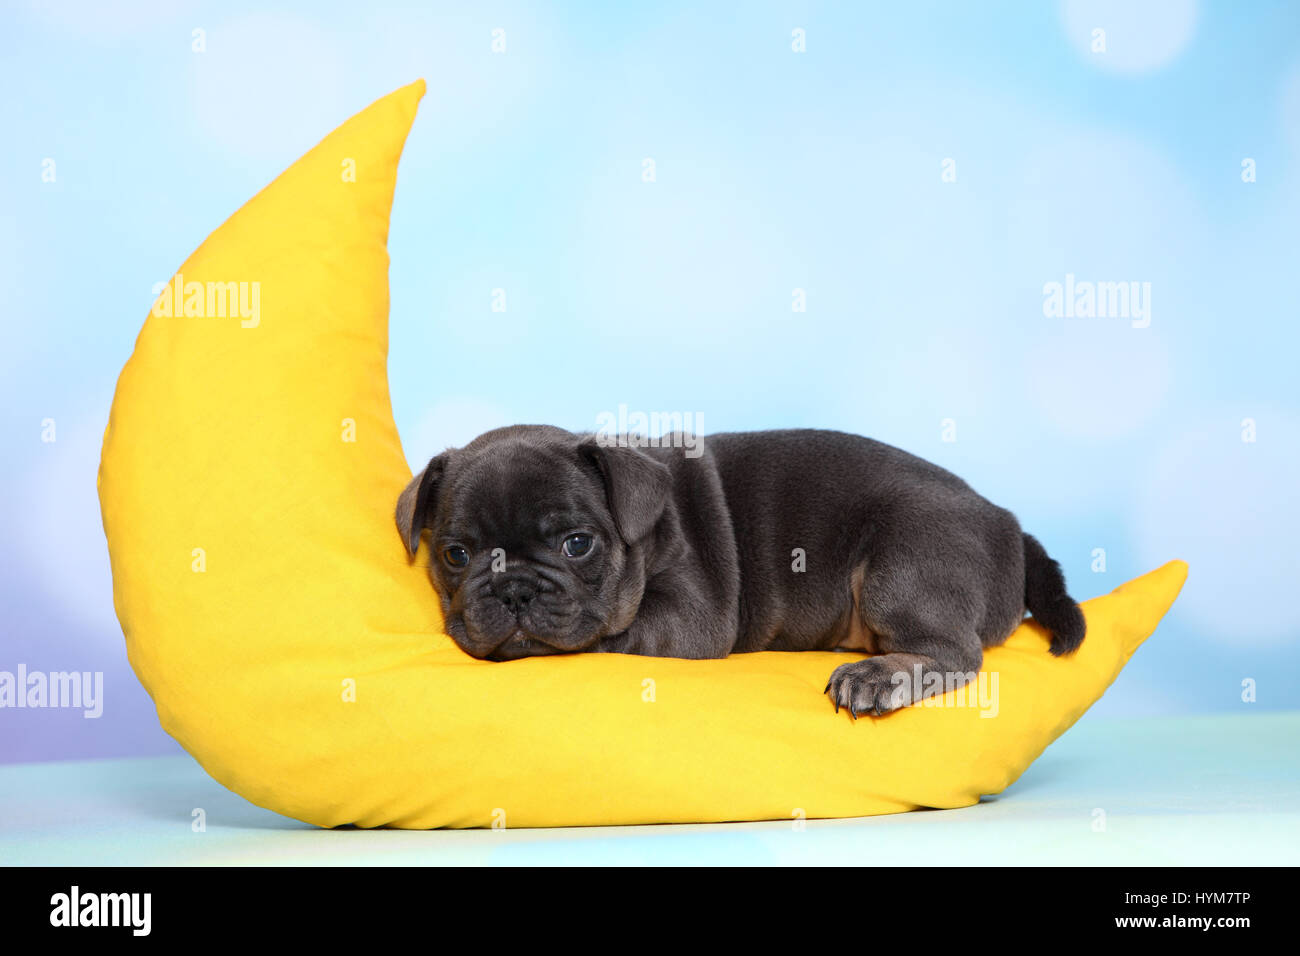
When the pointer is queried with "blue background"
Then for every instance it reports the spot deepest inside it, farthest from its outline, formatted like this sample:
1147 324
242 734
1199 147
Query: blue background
775 170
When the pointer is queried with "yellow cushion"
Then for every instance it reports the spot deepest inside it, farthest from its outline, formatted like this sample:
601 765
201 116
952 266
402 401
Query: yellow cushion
249 473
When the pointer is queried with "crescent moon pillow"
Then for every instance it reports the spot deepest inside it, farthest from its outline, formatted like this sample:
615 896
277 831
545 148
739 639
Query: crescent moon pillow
249 473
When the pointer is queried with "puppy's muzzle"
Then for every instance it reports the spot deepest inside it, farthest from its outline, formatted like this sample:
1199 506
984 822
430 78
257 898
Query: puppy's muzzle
516 594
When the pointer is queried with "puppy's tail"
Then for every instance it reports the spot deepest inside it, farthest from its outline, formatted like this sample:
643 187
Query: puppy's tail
1047 601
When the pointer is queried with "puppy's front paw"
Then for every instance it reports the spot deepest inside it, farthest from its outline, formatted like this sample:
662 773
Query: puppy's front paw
866 687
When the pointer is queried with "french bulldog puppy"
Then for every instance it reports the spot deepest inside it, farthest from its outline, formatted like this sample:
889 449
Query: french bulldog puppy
548 542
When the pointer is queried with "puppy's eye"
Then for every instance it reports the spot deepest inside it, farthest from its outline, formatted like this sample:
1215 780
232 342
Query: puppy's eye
455 556
576 545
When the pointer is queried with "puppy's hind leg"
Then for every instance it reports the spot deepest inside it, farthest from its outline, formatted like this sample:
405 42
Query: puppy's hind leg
920 660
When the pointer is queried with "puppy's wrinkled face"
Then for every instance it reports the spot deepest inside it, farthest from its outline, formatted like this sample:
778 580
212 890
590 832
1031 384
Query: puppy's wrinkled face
526 553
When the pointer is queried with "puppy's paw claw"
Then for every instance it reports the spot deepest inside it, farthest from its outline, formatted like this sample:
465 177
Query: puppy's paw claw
865 687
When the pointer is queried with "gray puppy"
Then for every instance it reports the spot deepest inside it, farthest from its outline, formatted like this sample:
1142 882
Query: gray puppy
547 542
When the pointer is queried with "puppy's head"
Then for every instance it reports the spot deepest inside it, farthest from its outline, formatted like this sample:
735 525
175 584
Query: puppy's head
538 538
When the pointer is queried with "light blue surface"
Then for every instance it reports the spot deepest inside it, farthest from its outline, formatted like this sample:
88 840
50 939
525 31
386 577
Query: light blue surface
1194 790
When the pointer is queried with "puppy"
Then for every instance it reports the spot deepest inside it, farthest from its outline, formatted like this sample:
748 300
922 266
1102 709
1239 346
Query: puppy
548 542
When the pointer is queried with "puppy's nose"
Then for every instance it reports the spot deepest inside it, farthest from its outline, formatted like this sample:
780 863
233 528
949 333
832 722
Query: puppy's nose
516 595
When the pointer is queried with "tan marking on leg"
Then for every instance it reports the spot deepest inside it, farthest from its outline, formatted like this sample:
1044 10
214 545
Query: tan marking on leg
856 635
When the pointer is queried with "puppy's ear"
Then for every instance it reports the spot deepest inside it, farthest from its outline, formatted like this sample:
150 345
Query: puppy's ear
413 503
636 486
